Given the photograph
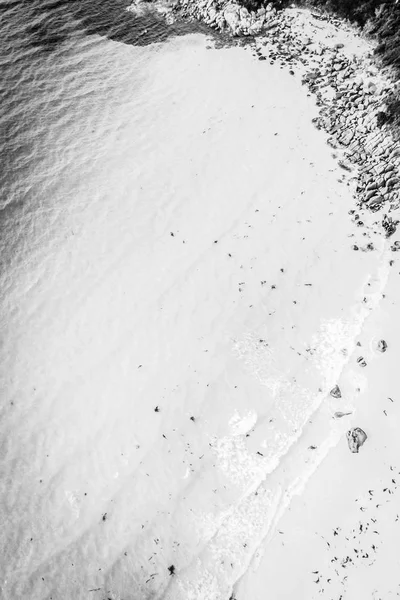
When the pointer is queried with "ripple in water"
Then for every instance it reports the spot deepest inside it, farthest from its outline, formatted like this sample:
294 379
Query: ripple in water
60 75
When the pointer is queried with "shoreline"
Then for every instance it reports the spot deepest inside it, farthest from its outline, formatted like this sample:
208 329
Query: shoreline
351 92
165 415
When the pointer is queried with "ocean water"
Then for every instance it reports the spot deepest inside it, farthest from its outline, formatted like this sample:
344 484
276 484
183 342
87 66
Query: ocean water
174 303
72 121
51 62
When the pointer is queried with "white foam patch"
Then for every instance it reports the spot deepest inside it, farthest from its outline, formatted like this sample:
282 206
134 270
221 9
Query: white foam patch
242 424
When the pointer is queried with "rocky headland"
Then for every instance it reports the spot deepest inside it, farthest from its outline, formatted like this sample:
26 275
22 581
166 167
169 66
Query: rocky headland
356 89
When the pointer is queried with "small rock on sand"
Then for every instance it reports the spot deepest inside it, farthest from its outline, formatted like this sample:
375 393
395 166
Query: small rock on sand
335 392
356 438
382 346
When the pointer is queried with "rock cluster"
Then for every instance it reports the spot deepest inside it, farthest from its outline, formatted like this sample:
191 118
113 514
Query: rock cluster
353 119
229 16
350 92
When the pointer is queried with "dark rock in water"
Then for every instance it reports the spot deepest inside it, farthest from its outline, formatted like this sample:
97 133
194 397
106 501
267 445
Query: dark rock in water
382 346
356 438
335 392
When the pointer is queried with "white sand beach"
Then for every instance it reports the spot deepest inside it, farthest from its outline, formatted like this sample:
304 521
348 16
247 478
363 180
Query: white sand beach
169 350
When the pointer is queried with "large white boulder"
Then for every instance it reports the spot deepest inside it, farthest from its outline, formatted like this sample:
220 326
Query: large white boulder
231 15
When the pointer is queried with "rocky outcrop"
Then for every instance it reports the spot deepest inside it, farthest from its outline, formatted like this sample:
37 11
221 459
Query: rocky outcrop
229 17
355 120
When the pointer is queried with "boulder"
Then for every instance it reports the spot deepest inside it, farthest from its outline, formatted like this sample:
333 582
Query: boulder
256 27
371 87
335 392
376 203
382 346
392 181
369 195
231 16
356 438
212 15
346 137
245 23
